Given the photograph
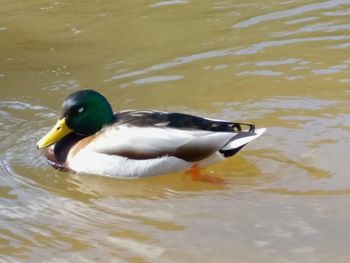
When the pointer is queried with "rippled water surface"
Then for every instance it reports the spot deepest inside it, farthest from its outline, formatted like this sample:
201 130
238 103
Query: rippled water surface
281 64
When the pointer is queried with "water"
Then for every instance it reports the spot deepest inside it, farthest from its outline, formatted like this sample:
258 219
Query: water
283 65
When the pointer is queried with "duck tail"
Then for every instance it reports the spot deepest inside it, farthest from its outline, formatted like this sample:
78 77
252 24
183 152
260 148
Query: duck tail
238 141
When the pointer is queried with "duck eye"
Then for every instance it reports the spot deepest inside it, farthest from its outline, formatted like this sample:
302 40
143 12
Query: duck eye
81 109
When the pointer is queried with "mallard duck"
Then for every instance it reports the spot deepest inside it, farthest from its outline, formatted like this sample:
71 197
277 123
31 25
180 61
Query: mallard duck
90 138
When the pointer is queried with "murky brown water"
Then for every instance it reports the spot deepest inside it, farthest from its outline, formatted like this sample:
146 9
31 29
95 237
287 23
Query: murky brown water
281 64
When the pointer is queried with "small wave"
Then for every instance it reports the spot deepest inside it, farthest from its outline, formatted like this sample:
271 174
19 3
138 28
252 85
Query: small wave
290 12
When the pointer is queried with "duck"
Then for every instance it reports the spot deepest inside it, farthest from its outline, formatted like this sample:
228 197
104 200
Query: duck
89 138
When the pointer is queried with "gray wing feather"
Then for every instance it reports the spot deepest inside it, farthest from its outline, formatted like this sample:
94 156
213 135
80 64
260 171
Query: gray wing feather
148 143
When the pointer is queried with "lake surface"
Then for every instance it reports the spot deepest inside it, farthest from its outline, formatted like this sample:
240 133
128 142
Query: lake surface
283 65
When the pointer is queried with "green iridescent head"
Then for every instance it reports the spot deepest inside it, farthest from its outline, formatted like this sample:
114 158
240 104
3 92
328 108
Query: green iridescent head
84 112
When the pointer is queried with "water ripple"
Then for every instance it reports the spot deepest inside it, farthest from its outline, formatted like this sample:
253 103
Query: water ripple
253 49
331 70
19 105
290 12
260 73
278 62
301 20
173 63
169 3
157 79
338 13
325 27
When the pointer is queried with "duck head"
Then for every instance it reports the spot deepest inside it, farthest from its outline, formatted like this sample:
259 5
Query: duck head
84 113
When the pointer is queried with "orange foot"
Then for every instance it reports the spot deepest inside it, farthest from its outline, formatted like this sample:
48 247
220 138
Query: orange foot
196 175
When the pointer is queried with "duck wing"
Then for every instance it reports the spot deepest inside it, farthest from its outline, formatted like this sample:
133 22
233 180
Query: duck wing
179 121
152 134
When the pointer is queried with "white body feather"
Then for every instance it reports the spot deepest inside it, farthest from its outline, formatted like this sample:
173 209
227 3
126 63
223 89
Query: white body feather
98 158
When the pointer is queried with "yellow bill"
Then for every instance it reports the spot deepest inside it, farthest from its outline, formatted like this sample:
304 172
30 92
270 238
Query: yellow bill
57 133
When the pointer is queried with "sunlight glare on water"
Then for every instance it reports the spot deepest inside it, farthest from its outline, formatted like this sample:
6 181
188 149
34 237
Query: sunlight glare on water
283 65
